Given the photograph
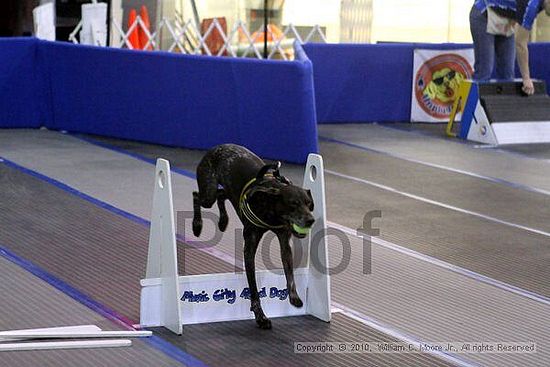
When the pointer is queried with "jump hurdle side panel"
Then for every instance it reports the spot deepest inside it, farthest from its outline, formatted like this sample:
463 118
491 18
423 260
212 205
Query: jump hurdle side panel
480 128
162 260
318 297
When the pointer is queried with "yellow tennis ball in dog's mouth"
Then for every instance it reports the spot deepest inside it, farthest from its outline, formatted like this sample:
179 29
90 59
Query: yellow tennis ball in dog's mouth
300 230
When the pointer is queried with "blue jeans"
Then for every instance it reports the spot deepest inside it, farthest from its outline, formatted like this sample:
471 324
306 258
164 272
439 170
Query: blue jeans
490 50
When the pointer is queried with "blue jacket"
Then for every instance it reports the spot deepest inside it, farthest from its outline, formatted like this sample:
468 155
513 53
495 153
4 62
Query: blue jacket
525 10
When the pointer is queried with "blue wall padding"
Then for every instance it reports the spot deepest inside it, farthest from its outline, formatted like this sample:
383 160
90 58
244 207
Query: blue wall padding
365 82
187 101
21 92
355 83
539 62
373 82
196 102
157 97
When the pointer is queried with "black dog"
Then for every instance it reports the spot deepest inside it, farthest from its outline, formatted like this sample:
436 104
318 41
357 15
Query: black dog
263 199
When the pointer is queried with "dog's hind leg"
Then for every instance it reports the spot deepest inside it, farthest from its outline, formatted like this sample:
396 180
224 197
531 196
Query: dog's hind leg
286 257
224 219
197 218
205 197
251 241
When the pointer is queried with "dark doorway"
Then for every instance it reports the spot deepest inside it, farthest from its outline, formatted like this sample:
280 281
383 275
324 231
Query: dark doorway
16 17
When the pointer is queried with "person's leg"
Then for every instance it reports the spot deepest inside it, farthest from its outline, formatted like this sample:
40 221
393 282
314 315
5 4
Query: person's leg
505 55
484 45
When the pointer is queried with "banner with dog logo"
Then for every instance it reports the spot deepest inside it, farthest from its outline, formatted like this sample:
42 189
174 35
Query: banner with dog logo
437 74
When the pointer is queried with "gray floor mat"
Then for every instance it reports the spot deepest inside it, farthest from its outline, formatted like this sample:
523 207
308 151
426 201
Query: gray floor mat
255 347
102 254
406 293
445 152
29 303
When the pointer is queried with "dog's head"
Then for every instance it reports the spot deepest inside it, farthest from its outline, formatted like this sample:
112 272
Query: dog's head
289 204
284 202
295 208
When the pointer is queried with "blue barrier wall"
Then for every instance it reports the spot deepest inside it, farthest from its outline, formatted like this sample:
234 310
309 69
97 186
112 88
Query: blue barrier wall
539 62
373 82
178 100
355 82
21 88
197 102
187 101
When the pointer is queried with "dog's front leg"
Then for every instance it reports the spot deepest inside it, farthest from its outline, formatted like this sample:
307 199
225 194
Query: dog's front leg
251 241
224 219
286 257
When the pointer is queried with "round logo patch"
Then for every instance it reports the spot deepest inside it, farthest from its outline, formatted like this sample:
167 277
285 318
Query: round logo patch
437 81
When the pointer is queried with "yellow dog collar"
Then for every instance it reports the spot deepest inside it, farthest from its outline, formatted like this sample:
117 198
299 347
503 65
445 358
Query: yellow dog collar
247 212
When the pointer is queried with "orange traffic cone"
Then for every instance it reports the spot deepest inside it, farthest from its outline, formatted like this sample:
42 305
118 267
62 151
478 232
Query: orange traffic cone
133 38
143 39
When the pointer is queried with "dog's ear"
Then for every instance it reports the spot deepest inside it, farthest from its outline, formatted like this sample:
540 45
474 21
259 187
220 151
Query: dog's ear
272 166
311 205
285 180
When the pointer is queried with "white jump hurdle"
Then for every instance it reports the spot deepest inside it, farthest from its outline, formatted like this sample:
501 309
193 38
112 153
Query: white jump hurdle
170 300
